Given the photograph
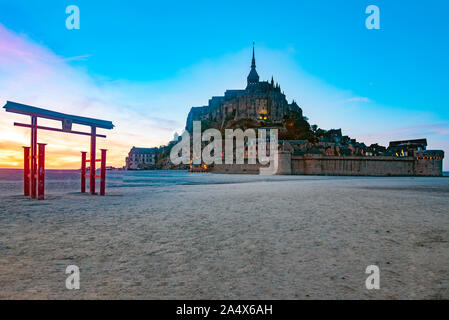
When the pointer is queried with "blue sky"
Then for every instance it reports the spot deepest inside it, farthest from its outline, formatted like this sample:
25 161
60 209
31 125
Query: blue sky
157 59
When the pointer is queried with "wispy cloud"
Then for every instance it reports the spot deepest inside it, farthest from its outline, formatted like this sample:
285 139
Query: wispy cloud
83 57
425 130
356 99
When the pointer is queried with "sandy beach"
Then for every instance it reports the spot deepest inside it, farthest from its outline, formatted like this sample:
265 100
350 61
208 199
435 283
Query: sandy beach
174 235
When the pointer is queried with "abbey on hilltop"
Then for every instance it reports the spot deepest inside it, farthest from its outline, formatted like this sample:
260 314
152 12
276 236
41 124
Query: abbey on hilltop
262 102
305 148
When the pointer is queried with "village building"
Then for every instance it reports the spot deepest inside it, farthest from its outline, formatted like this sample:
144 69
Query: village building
407 147
141 158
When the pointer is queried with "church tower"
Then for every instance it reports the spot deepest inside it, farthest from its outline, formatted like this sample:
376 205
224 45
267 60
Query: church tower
253 77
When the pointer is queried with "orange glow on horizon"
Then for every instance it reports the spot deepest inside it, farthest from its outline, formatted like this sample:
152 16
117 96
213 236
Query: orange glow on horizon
11 156
63 150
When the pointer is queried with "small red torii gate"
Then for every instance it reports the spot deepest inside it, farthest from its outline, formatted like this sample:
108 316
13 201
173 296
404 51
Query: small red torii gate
34 156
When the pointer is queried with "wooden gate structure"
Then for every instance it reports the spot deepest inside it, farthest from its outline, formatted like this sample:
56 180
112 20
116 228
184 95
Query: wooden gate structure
34 156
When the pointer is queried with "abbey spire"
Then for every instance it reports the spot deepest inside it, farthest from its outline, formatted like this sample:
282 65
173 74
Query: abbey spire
253 77
253 62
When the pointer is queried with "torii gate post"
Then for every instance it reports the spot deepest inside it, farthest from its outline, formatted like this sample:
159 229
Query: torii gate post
33 178
34 162
93 148
41 172
26 171
83 171
92 169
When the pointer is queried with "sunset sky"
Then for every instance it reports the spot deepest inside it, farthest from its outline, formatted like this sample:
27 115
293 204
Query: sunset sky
143 65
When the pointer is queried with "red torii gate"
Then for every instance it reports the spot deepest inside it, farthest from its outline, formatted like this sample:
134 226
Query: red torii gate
34 162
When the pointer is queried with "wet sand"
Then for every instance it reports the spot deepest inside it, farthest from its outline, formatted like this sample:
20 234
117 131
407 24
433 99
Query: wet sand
180 236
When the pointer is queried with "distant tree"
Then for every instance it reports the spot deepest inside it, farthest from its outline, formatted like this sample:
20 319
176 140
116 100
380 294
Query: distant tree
298 128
